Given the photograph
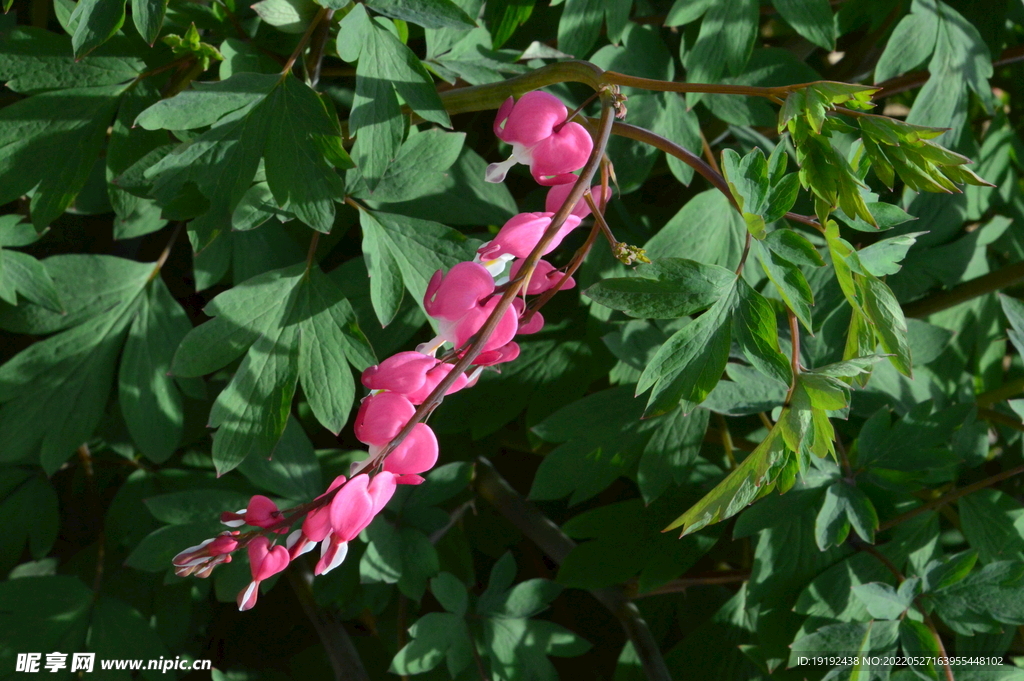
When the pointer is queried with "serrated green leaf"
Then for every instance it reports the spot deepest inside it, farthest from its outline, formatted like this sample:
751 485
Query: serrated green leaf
789 281
844 506
888 321
749 481
691 362
757 333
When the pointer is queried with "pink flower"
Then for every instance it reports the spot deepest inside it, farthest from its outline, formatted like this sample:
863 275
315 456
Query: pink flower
520 235
458 333
432 378
402 373
533 324
544 278
261 512
381 416
264 562
351 511
416 454
200 560
450 296
536 128
560 192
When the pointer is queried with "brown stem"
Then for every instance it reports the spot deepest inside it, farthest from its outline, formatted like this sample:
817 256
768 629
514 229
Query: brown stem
684 583
599 220
794 362
950 497
316 52
303 40
551 540
166 253
746 252
979 286
574 264
1000 418
708 154
727 441
313 242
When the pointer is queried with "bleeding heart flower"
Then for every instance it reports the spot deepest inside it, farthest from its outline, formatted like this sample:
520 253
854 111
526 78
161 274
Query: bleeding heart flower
265 561
544 278
416 454
450 296
521 234
381 416
402 373
541 138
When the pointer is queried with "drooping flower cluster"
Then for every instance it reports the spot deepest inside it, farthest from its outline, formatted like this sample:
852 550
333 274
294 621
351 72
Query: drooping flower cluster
459 302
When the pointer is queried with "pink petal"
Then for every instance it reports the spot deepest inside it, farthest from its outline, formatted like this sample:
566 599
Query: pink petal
534 324
532 118
469 325
544 277
502 116
351 509
416 454
561 153
380 489
401 373
560 192
247 597
381 416
261 512
459 290
433 377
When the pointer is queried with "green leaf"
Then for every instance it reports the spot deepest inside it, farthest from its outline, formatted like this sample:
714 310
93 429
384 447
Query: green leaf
292 471
749 184
288 320
626 538
757 333
289 16
858 638
426 13
155 551
685 235
751 480
328 324
992 523
884 257
43 613
402 556
247 111
98 21
984 600
148 16
33 60
888 322
811 18
419 168
504 18
724 43
685 11
28 277
149 399
30 512
436 636
579 26
194 505
789 281
55 391
450 593
665 289
845 505
884 602
793 247
386 69
52 158
691 362
912 41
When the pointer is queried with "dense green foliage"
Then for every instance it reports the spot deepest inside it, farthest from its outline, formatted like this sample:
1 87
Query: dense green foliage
216 215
